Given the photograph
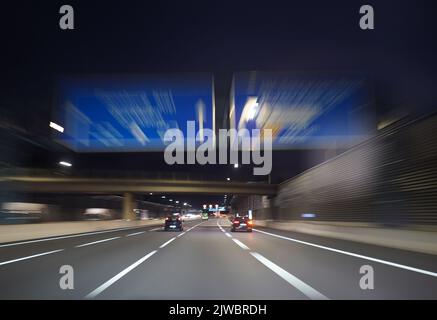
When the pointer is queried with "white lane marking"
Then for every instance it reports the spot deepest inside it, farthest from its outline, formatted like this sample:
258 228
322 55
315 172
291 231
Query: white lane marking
241 244
228 234
134 234
181 234
393 264
155 229
30 257
95 242
306 289
66 237
194 226
166 243
117 277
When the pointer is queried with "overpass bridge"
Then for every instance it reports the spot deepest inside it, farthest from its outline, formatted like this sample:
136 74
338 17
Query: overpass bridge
128 187
54 184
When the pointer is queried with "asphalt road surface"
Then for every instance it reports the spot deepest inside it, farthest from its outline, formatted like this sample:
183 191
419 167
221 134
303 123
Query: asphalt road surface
207 261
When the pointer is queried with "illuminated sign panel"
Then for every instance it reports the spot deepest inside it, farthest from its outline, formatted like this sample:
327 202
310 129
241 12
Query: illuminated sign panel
130 113
303 111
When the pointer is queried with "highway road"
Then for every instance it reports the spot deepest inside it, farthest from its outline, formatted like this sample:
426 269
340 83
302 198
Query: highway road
207 261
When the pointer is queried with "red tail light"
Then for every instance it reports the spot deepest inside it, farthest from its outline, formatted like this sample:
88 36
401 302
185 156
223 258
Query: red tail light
236 222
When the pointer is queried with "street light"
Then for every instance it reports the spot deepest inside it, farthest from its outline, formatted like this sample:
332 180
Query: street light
151 193
56 126
229 179
65 163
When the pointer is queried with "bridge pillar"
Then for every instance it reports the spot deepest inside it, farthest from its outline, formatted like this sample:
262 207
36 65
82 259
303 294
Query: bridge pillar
128 206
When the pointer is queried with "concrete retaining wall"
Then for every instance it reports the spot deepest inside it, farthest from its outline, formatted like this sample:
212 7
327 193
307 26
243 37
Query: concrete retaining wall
20 232
412 240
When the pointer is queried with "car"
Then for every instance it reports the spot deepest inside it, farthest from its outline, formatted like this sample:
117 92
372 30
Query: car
242 224
173 222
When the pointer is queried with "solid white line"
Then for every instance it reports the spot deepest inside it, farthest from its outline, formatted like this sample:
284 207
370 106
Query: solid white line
228 234
181 234
155 229
241 244
164 244
94 242
134 234
66 237
104 286
397 265
29 257
307 290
